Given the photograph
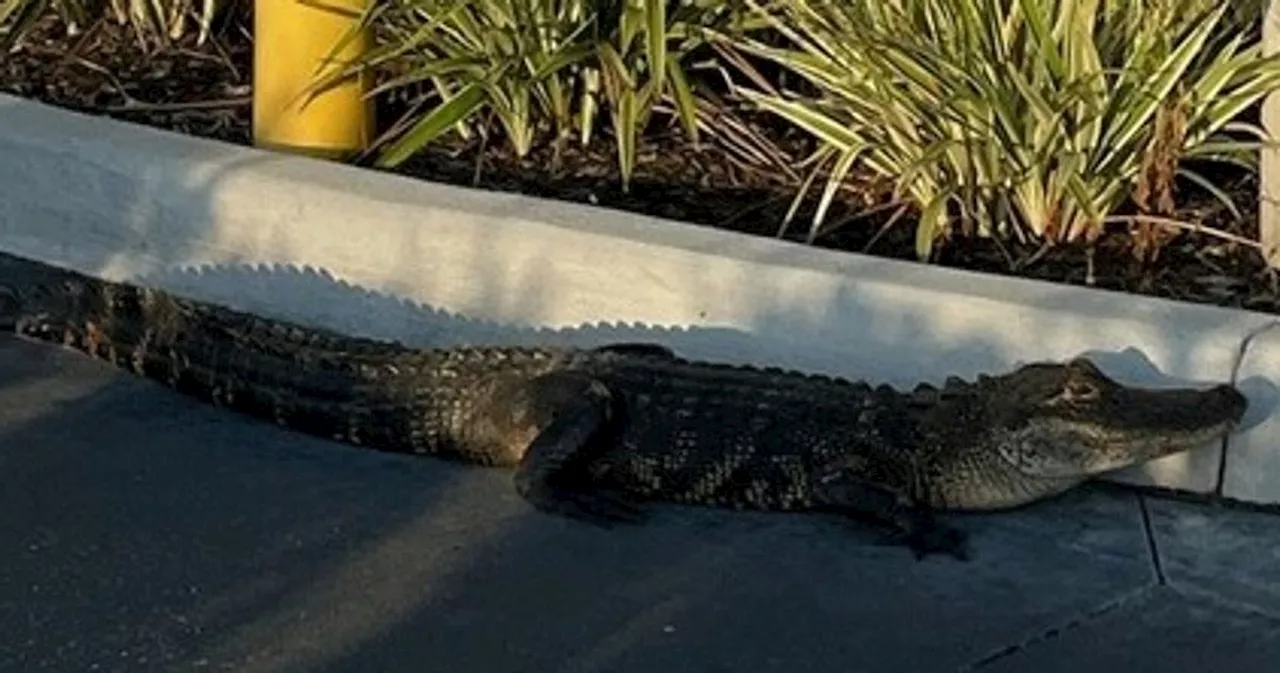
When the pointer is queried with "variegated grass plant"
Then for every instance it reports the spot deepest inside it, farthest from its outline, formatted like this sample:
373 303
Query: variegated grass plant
537 67
1034 119
153 22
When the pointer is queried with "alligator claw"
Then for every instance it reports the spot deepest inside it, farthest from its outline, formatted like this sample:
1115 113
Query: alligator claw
925 536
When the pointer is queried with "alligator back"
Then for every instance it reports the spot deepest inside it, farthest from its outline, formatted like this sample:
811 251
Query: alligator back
365 392
742 436
693 422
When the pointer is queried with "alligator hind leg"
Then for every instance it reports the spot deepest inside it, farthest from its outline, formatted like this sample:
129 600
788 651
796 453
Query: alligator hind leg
575 412
909 524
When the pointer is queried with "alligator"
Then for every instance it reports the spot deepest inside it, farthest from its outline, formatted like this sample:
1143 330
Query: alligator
598 433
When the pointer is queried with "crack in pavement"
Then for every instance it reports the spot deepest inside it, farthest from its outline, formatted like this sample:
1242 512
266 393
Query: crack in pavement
1153 548
1057 630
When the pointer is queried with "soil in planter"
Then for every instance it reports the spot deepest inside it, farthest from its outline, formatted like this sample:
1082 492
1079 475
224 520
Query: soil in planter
204 91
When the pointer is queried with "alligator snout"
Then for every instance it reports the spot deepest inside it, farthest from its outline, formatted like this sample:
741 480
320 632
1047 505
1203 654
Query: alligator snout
1229 400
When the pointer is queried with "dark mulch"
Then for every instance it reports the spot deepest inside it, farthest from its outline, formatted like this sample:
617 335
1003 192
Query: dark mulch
204 91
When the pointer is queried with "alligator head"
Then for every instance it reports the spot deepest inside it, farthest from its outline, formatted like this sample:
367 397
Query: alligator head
1047 426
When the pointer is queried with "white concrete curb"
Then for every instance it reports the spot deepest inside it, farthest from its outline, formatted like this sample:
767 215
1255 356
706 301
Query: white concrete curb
357 250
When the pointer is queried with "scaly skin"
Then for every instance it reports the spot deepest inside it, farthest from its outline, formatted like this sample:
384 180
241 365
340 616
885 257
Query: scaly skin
594 433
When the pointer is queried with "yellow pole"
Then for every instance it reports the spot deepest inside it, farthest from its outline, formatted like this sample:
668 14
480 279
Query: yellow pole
291 41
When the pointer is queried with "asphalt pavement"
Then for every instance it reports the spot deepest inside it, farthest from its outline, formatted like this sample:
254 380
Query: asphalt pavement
144 531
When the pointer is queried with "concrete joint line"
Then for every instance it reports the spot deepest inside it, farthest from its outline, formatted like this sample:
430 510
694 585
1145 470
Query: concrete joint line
1234 380
1153 548
1188 590
1060 629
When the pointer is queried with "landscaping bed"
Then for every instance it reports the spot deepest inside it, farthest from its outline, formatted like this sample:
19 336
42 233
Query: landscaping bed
204 90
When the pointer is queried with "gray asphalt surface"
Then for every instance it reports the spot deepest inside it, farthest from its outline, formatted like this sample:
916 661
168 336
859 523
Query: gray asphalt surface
142 531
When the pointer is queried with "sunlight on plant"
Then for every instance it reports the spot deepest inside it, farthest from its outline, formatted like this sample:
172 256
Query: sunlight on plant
1022 118
169 18
536 66
1034 120
153 22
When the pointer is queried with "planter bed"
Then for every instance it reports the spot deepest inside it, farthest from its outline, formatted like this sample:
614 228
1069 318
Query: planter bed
204 91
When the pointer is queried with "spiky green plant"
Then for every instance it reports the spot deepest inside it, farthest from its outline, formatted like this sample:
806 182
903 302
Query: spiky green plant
1026 118
537 67
151 21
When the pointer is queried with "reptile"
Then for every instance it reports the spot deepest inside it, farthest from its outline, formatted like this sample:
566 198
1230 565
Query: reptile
599 433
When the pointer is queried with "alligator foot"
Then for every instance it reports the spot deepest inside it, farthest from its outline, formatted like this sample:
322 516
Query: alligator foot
843 491
923 535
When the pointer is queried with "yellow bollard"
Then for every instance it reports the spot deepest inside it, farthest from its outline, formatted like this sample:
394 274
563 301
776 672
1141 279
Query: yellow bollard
292 39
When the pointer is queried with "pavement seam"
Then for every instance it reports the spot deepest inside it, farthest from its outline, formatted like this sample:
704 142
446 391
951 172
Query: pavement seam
1060 629
1153 547
1241 352
1191 591
1221 477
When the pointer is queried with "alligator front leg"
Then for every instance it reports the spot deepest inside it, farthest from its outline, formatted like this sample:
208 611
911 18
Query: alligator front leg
575 412
844 491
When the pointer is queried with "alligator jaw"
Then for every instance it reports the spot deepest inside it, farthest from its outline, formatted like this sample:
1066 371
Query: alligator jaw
1162 423
1044 429
1121 427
